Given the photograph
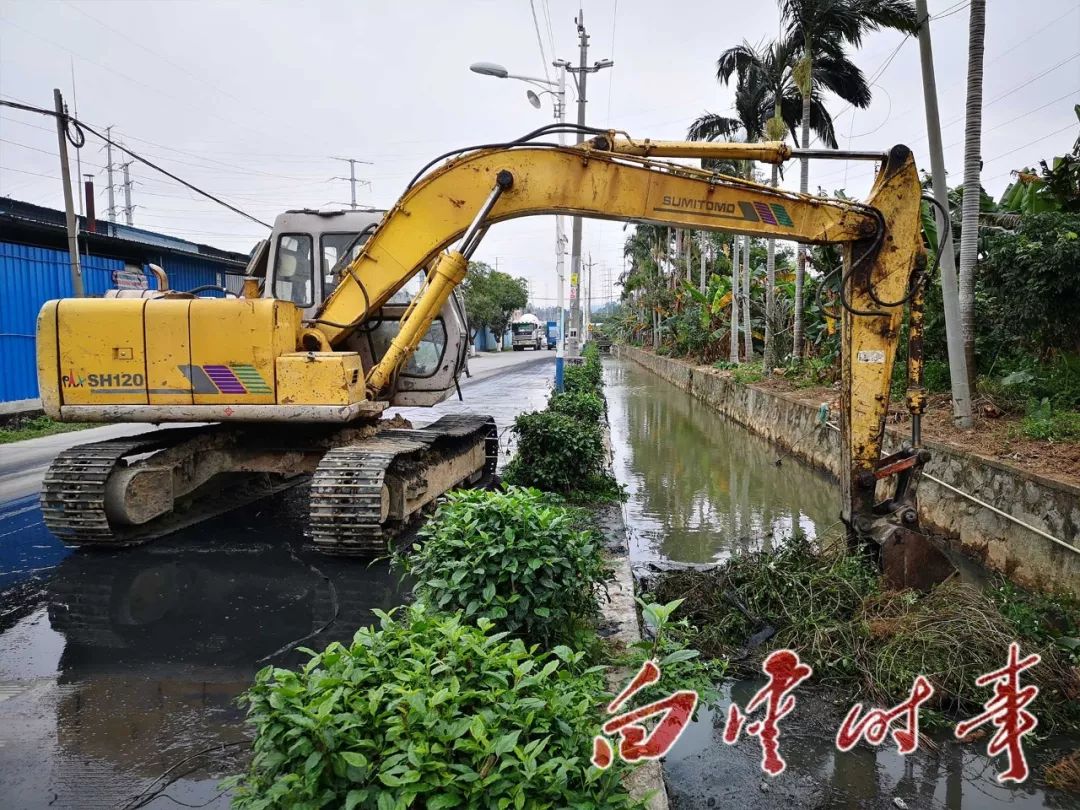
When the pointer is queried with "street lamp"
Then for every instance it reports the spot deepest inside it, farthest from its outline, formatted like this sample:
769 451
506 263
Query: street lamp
558 98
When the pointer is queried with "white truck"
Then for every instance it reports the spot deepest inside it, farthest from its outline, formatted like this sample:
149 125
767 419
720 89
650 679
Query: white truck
528 332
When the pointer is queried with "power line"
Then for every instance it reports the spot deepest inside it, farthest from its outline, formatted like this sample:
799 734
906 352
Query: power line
79 125
955 9
203 81
539 40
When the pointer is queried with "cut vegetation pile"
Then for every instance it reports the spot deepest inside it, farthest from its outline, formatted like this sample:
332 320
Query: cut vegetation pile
832 608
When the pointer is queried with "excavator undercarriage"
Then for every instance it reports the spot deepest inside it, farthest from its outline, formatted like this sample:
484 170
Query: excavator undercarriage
367 482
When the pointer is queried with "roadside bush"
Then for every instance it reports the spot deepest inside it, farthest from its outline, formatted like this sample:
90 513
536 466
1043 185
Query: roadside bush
511 556
558 453
428 710
581 405
587 377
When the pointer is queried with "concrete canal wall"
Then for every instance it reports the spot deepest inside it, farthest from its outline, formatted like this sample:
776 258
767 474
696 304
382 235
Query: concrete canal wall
1001 544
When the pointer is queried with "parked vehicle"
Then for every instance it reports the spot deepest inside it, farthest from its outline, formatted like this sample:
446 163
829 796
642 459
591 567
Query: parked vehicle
552 334
528 333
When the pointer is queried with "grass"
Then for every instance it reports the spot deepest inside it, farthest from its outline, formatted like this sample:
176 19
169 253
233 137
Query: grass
1065 773
33 427
833 608
1043 421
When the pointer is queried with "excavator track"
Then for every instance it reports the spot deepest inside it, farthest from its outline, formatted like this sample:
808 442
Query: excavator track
349 498
73 491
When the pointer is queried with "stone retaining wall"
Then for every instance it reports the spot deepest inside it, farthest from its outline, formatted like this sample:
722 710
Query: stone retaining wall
998 543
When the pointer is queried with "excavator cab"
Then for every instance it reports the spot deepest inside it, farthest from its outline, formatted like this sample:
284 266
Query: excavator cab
304 260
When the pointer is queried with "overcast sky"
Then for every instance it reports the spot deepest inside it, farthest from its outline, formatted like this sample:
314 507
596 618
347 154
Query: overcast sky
250 100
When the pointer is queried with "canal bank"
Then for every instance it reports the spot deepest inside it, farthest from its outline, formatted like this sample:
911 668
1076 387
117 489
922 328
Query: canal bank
1014 522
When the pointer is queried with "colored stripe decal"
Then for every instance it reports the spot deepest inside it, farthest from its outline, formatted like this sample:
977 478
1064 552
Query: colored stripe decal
781 215
225 380
251 378
748 211
765 213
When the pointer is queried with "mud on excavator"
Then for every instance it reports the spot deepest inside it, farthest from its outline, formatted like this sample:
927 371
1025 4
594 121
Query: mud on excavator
345 314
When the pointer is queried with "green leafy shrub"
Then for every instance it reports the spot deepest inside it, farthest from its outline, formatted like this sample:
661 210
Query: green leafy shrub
558 453
936 376
511 556
428 710
1044 421
581 405
1046 618
585 377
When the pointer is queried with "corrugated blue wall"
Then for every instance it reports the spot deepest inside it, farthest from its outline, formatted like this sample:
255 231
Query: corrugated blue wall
189 272
30 276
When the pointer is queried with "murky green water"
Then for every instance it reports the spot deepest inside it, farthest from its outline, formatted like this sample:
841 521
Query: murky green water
702 487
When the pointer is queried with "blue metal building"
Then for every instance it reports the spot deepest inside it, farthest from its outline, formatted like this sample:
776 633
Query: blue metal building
34 268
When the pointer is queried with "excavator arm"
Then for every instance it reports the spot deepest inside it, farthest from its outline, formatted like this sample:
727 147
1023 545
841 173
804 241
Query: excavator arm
620 179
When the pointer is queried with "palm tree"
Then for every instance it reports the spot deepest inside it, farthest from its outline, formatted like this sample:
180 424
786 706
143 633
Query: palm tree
969 222
768 105
819 29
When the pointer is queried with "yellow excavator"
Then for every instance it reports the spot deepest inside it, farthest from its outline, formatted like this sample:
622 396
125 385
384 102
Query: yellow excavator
294 373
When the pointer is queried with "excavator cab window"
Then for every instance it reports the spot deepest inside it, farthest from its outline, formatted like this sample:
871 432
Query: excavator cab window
337 249
294 271
428 356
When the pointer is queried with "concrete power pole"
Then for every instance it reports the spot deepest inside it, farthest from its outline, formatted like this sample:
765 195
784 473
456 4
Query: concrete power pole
950 294
111 212
580 74
588 297
69 202
128 207
352 177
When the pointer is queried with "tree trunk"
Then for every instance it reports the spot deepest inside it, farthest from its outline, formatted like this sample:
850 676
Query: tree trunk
748 335
733 353
958 374
804 185
702 283
969 223
768 358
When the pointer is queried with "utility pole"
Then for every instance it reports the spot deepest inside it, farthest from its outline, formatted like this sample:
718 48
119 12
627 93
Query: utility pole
958 373
352 176
588 296
109 174
128 207
560 242
69 203
580 74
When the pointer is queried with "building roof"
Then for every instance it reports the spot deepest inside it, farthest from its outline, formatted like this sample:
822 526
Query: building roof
35 224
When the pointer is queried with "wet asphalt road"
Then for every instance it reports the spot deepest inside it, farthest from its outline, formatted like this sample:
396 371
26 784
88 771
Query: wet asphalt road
115 666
